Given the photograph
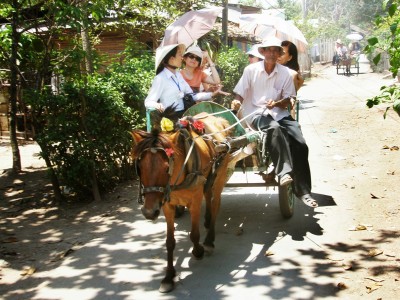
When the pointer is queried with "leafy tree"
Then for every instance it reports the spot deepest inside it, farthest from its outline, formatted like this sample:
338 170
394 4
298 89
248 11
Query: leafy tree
11 36
70 123
292 8
152 17
335 16
35 67
387 40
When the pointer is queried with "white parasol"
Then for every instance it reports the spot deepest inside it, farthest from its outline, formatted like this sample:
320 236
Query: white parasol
354 36
263 26
191 26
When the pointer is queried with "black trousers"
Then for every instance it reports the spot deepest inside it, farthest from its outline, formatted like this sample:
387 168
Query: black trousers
288 150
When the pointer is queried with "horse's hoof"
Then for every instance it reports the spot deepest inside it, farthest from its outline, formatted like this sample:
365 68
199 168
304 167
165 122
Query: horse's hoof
166 287
208 249
199 253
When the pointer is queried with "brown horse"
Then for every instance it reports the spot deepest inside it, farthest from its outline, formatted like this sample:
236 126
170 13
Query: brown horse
345 61
180 169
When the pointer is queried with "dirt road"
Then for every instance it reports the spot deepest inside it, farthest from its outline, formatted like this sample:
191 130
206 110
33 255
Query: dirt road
347 248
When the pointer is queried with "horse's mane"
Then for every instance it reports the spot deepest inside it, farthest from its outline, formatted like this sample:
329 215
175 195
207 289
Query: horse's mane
169 113
152 139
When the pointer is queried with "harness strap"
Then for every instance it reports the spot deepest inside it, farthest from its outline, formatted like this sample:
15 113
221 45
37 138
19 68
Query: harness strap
143 190
194 176
185 133
152 189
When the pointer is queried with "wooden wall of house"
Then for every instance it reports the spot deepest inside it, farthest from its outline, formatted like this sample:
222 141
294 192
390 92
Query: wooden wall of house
111 43
4 110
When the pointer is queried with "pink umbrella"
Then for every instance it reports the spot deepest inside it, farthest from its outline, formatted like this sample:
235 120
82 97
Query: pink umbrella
263 26
191 26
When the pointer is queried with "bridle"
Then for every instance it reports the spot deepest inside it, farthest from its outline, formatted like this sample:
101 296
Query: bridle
154 189
194 175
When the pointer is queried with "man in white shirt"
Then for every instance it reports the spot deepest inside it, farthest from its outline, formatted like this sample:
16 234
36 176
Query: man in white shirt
265 89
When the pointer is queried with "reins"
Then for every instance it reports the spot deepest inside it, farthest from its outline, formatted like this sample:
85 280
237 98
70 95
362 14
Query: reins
193 177
230 126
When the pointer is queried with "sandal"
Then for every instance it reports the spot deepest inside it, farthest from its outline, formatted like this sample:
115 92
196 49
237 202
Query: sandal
309 200
285 180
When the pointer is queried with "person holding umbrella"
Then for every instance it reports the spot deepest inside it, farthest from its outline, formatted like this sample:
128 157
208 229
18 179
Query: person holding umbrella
355 48
168 87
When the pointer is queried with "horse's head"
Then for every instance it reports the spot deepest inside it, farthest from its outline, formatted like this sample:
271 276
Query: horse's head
153 156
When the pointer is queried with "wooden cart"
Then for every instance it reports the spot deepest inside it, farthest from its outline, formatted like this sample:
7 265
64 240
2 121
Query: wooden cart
346 65
241 138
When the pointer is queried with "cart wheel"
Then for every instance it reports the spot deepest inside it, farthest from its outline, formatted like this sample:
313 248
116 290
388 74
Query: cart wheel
286 200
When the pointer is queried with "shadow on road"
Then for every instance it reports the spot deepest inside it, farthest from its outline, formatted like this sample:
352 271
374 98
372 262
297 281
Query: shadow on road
324 200
258 253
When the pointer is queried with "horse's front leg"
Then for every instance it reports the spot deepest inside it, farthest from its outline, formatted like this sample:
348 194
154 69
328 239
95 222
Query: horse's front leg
214 196
167 284
210 237
195 209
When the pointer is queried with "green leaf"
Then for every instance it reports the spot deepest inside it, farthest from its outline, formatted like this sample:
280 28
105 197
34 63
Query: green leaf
384 115
377 59
396 106
392 9
372 41
370 103
393 28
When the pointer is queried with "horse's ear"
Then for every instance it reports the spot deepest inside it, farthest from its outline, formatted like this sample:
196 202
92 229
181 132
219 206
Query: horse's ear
138 135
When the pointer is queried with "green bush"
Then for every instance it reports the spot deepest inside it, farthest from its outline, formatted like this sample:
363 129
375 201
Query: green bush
133 79
231 63
86 127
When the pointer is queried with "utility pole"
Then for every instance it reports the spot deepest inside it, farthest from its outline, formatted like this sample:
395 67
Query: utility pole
225 24
304 9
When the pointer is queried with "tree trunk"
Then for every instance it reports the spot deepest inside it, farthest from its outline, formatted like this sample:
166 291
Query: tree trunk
87 47
45 154
53 177
13 90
